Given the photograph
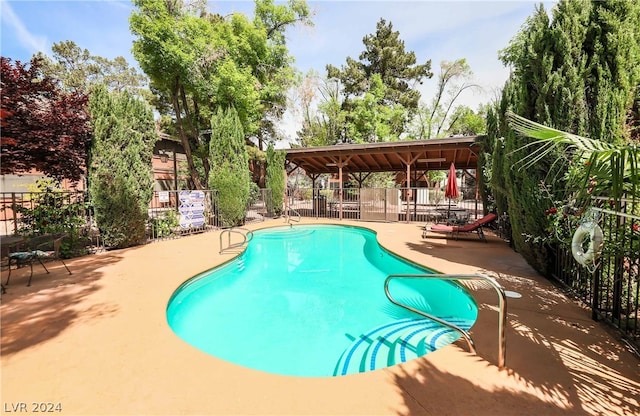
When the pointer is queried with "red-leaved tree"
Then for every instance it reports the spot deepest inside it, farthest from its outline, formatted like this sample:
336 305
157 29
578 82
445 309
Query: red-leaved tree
43 128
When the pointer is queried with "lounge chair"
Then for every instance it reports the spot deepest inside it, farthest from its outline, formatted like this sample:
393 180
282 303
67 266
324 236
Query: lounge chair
467 228
39 249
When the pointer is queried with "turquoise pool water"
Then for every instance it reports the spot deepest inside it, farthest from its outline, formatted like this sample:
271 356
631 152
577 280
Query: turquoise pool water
310 301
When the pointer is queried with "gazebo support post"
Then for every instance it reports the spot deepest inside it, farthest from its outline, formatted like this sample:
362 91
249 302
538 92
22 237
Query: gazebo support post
408 190
410 160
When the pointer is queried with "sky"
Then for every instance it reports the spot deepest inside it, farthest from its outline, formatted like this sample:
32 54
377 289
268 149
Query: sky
435 30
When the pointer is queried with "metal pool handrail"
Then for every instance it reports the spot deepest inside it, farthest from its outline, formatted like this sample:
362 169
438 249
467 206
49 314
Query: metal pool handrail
502 306
244 232
289 209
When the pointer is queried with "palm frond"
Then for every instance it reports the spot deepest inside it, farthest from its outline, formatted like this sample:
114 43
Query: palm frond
616 166
538 131
541 149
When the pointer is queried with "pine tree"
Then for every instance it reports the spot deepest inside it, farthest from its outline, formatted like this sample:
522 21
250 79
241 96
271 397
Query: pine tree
386 57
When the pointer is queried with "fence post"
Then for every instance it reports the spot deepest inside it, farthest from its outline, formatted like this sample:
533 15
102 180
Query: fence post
13 210
595 300
618 267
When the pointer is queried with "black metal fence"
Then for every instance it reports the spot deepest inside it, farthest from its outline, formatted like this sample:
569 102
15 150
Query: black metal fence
50 212
612 288
171 214
383 204
261 206
42 212
176 213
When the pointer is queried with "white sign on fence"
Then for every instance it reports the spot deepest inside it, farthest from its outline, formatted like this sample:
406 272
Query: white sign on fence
163 196
191 209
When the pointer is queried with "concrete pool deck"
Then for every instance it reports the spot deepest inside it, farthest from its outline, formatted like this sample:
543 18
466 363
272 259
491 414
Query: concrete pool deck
97 342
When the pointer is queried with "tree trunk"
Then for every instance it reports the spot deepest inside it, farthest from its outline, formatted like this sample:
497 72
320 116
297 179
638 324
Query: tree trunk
184 139
205 160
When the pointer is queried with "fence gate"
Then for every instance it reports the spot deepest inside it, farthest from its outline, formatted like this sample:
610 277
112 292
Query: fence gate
379 204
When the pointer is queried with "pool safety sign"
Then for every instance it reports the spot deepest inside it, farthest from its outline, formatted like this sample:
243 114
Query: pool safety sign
191 209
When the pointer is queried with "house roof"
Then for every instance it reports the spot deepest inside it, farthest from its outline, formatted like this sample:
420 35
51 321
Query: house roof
423 155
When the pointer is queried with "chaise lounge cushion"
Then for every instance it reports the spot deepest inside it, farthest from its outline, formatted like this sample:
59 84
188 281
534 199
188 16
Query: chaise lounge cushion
467 228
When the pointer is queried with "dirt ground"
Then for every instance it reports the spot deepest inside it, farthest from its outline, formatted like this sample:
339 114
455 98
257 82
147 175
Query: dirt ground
97 343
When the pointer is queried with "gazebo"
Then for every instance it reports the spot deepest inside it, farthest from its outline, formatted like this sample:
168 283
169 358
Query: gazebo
359 160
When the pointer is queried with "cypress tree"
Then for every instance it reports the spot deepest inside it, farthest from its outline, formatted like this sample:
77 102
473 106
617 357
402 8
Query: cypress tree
577 72
120 173
229 173
613 68
518 192
565 86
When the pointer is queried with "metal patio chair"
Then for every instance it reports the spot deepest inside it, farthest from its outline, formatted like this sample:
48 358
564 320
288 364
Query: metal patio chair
41 248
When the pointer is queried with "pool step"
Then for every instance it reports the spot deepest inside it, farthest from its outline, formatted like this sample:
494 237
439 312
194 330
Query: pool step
240 264
396 342
288 233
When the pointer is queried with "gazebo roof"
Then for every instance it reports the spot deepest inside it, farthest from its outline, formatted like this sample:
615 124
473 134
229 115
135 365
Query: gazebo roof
433 154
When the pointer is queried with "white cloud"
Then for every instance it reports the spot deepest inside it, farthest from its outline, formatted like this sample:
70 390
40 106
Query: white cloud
28 40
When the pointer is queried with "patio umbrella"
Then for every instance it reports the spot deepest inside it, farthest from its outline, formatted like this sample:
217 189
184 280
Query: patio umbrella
451 191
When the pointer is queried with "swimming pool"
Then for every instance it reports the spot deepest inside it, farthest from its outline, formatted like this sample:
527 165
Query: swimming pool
310 301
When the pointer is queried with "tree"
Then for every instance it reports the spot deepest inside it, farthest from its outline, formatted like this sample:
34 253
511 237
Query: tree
385 56
170 42
323 120
371 120
43 128
454 78
120 173
230 169
528 92
570 73
77 70
464 121
613 66
274 71
200 62
275 180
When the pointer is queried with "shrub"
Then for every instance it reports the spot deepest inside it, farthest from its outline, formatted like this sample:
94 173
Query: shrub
120 173
52 211
165 225
229 173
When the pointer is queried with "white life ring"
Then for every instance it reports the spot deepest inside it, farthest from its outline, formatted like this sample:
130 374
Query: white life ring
594 234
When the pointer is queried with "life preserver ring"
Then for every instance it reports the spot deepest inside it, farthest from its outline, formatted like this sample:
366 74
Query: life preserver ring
587 231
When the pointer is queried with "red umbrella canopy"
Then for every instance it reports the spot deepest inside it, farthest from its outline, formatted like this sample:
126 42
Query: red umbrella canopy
451 190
